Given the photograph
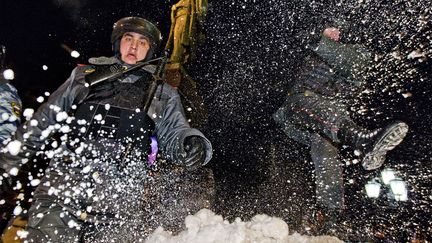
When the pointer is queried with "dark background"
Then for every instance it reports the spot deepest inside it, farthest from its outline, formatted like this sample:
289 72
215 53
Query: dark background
243 71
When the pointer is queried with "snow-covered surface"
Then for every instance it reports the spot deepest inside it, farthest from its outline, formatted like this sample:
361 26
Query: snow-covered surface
206 226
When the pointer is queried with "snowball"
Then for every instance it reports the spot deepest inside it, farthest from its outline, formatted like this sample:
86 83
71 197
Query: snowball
40 99
73 224
98 117
34 182
18 210
61 116
13 171
86 169
22 234
8 74
65 129
33 122
14 147
5 116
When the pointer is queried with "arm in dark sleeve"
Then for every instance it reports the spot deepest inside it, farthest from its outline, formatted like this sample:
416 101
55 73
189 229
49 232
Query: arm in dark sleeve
172 127
10 108
32 134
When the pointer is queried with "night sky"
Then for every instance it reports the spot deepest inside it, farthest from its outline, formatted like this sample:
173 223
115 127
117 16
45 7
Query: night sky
243 71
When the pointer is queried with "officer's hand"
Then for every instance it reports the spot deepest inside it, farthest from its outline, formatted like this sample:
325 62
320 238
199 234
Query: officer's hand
194 147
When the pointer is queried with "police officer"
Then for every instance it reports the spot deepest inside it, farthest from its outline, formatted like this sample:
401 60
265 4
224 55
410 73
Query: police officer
10 110
10 102
93 185
316 115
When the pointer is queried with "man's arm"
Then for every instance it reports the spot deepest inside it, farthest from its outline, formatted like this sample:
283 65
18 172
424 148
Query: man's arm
10 108
177 139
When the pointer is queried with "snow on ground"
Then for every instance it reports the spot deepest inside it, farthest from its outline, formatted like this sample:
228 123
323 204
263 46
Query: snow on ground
205 227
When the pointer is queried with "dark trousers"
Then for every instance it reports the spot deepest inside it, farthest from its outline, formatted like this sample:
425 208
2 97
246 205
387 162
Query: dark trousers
314 121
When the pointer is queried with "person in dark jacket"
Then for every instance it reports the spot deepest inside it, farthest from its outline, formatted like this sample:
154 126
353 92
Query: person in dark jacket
10 102
10 118
92 189
315 114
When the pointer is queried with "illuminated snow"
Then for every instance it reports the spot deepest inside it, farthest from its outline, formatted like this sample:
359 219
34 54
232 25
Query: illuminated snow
14 147
61 116
34 182
28 113
33 122
18 210
98 117
206 226
5 116
40 99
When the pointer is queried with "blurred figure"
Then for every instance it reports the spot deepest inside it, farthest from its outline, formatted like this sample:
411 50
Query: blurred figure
315 115
10 102
10 118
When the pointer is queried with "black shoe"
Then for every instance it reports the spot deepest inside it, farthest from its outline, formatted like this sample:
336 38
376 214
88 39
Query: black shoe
385 140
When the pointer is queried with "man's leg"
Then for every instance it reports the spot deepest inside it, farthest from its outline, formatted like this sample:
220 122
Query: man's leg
329 118
328 174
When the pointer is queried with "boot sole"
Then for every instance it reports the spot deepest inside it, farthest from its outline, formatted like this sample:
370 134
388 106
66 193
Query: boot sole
394 136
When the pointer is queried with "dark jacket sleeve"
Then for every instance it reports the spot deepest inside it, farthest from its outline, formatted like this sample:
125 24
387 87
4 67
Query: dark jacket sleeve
33 134
171 125
347 60
11 105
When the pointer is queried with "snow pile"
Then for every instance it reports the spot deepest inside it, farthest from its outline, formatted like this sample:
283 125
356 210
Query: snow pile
206 226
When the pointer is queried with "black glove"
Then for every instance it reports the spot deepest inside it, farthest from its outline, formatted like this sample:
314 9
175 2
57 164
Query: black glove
194 148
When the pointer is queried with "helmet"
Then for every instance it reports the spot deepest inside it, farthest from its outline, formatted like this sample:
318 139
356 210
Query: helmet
137 25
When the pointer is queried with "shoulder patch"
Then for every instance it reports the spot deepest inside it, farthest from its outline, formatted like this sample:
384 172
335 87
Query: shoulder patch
89 70
16 109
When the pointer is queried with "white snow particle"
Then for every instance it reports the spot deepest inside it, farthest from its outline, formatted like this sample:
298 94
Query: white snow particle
18 210
28 113
33 122
13 171
61 116
22 234
5 116
14 147
98 117
86 169
34 182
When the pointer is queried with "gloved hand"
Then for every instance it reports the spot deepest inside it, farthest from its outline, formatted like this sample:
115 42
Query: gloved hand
194 148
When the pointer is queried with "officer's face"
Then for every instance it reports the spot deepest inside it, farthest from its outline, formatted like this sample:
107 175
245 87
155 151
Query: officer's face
133 47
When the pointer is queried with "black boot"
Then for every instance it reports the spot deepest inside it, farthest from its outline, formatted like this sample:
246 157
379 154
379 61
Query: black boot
373 145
